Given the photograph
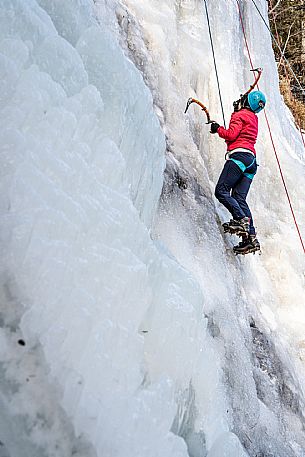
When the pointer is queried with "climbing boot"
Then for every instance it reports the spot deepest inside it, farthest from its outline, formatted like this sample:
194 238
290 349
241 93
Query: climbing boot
247 245
237 227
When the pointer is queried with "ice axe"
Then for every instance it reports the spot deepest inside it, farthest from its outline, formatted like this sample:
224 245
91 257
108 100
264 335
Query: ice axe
259 74
238 104
204 108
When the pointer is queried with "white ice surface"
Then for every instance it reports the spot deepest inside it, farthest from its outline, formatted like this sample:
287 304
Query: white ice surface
134 311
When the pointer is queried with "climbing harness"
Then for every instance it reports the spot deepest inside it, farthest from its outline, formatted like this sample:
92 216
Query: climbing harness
215 65
267 121
251 88
243 167
204 108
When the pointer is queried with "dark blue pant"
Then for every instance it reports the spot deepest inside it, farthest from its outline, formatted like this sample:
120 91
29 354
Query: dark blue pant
233 186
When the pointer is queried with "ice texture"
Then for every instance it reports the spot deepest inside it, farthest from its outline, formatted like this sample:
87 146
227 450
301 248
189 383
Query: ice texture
127 327
83 160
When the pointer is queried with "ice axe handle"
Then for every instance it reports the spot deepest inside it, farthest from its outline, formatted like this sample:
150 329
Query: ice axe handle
194 100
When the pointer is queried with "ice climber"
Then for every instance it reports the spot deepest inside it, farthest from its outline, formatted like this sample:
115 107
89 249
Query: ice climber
240 167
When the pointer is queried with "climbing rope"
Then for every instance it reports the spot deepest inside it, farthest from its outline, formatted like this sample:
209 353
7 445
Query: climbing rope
286 61
269 128
278 41
215 65
278 46
285 65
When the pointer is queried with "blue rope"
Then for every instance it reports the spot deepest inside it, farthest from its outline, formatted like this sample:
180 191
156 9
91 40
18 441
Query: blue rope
213 52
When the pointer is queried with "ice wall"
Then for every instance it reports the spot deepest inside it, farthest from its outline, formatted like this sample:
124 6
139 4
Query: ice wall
255 306
83 161
265 288
146 336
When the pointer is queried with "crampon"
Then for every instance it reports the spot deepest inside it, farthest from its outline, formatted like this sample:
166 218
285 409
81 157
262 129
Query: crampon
234 228
252 250
249 245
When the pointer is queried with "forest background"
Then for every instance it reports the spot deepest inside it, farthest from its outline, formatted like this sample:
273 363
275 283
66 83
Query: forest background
287 19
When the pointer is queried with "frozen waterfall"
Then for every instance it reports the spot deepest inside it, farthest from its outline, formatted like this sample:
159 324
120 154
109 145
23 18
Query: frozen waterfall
127 326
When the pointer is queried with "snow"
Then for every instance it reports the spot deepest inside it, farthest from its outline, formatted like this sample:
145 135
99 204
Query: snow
143 334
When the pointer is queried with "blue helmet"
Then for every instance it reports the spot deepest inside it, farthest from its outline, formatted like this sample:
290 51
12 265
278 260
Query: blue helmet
257 101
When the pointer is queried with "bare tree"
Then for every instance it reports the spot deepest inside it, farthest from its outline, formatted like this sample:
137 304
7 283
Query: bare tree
287 21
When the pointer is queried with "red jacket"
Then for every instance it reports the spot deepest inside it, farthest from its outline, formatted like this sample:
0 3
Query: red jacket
242 131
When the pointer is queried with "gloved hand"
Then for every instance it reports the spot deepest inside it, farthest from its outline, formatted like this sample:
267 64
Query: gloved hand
214 127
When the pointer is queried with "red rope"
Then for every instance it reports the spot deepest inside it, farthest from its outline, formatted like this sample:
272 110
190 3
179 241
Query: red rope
271 136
